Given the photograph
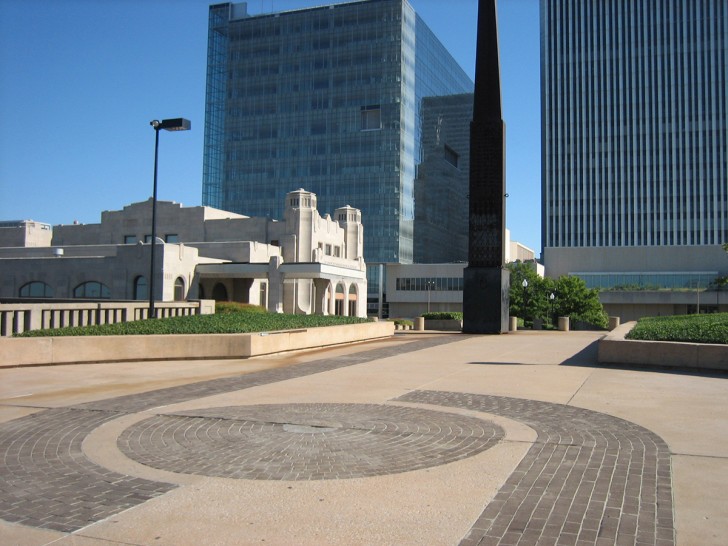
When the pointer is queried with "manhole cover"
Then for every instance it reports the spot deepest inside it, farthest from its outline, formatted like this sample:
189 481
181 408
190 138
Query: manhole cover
305 441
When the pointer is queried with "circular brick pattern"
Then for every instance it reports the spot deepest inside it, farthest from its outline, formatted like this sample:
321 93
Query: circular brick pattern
306 441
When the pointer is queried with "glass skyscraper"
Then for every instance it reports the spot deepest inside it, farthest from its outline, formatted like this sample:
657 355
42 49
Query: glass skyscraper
443 180
327 99
635 108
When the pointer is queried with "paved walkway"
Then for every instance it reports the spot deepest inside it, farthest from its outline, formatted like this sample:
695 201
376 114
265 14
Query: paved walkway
420 439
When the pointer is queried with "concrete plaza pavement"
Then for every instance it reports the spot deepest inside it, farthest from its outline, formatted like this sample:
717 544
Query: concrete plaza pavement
418 439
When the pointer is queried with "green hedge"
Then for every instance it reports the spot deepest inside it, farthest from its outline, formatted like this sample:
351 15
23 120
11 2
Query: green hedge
447 315
235 307
402 322
220 323
687 328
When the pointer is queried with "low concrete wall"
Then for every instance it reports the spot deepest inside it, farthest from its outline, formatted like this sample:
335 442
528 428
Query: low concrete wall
86 349
615 349
450 325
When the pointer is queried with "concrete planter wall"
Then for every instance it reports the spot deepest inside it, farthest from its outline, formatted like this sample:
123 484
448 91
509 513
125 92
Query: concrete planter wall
451 325
615 349
71 350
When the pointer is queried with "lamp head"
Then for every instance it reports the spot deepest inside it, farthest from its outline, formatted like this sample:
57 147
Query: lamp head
174 124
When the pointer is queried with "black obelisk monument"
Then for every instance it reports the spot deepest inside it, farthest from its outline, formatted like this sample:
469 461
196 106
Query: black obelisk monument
485 299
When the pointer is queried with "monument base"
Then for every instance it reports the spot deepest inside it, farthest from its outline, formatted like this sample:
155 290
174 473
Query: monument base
485 300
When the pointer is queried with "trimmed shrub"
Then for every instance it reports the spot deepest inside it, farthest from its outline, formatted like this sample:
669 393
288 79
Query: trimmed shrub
686 328
402 322
445 315
222 323
237 307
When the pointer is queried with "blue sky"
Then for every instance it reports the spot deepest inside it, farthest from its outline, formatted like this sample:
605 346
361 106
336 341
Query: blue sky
80 80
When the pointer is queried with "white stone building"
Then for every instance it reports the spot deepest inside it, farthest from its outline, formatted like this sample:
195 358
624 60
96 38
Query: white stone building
304 263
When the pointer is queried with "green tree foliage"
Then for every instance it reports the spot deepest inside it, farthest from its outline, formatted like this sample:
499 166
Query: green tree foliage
571 298
530 302
720 283
579 303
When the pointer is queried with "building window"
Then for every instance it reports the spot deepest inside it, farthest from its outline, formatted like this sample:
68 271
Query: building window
328 250
371 118
421 284
147 239
129 239
352 301
171 238
36 289
451 156
337 251
179 289
141 290
263 296
339 301
92 290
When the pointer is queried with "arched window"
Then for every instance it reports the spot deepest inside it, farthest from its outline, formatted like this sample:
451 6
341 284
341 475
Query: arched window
352 300
219 292
36 289
179 289
92 290
339 303
141 289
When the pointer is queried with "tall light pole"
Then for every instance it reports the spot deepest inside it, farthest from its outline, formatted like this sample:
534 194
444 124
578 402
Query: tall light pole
524 284
552 297
429 289
175 124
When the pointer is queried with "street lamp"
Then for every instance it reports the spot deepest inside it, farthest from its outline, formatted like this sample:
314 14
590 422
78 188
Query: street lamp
552 297
429 288
524 284
175 124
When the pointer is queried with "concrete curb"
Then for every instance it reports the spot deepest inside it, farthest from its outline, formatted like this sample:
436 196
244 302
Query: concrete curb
615 349
46 351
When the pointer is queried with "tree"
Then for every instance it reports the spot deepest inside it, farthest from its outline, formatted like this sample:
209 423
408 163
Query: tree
579 303
571 298
531 302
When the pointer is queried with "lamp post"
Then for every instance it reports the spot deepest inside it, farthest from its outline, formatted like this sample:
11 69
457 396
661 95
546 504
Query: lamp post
524 284
429 288
175 124
551 298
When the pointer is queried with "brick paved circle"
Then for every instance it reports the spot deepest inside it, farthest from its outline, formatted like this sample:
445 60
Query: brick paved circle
589 479
306 441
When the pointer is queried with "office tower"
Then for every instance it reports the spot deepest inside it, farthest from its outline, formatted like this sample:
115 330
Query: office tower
635 149
441 186
327 99
634 106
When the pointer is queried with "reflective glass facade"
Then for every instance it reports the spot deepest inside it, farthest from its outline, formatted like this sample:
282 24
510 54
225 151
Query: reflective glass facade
634 107
327 99
443 179
677 280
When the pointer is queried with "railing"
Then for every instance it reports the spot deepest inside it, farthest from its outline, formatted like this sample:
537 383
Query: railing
21 317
